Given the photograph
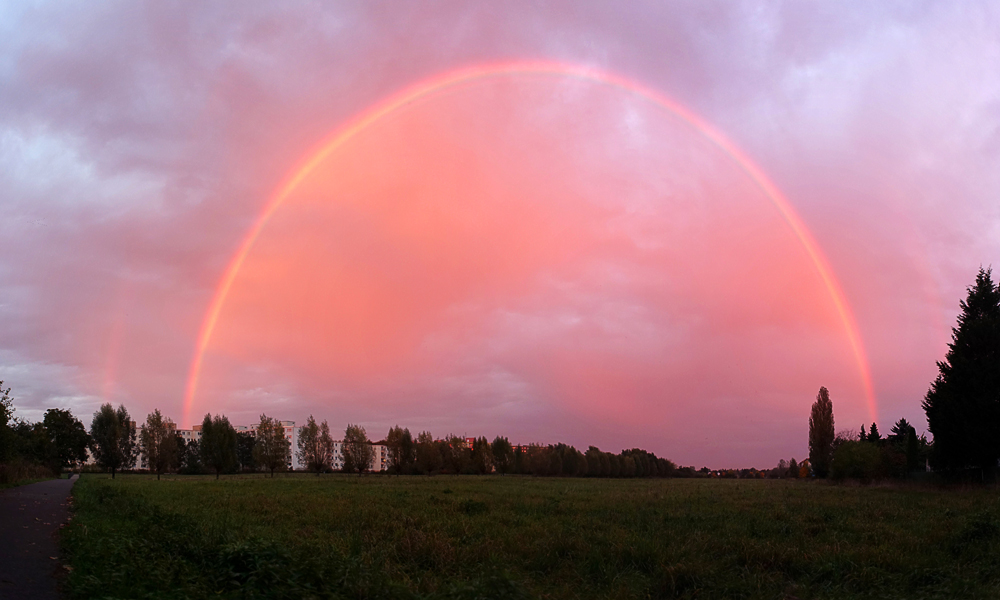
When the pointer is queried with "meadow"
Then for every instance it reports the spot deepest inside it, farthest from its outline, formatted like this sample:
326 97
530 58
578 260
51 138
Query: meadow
339 536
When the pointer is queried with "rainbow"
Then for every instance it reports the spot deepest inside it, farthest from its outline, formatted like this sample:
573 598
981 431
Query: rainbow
464 76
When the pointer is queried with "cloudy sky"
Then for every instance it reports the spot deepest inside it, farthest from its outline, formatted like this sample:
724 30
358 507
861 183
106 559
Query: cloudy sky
584 252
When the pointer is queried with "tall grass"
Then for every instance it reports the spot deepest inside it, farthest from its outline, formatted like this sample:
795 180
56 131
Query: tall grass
512 537
19 472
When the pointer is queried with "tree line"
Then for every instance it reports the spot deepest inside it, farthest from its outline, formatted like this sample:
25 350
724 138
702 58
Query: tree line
116 444
38 450
865 456
425 455
60 441
962 408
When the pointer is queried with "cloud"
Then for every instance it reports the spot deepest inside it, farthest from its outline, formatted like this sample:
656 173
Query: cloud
559 245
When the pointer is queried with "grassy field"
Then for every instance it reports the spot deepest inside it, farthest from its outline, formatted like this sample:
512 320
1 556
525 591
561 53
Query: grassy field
517 537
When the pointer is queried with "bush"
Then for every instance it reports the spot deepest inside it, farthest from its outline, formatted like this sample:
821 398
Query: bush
19 469
859 460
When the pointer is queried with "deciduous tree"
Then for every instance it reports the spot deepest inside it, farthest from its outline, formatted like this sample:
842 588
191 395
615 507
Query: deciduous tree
272 448
482 456
428 453
218 444
68 436
313 452
401 448
6 432
114 438
245 442
326 444
159 443
503 455
357 450
189 457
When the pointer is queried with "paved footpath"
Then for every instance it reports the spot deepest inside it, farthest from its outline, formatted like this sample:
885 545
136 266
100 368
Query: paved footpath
30 517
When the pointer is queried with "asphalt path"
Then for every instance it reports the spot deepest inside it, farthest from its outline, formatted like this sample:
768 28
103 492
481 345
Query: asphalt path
30 518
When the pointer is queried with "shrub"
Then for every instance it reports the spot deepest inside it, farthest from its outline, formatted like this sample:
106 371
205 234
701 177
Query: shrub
19 469
858 460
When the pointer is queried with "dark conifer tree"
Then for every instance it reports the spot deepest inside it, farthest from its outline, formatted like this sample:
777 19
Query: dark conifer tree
821 433
912 451
963 403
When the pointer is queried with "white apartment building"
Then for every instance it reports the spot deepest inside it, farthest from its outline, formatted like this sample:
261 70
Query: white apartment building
380 456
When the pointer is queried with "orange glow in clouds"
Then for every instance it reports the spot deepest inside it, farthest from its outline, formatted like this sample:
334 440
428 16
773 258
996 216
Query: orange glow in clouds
530 233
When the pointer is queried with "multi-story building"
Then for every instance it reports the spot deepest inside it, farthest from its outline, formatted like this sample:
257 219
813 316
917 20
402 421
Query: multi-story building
380 456
292 435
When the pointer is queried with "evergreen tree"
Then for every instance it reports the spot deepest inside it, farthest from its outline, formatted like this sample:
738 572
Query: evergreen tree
963 402
912 451
863 436
821 433
874 435
899 432
903 440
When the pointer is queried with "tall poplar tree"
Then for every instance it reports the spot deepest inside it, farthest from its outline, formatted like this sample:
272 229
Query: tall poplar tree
963 403
821 433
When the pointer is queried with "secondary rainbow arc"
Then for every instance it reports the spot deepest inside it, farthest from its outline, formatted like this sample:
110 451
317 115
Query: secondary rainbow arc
462 76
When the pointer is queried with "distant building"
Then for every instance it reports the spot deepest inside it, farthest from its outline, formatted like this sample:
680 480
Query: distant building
380 456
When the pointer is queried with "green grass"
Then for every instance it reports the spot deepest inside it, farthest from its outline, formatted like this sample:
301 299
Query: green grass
513 537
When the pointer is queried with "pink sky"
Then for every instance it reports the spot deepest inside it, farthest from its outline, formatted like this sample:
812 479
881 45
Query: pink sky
548 258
